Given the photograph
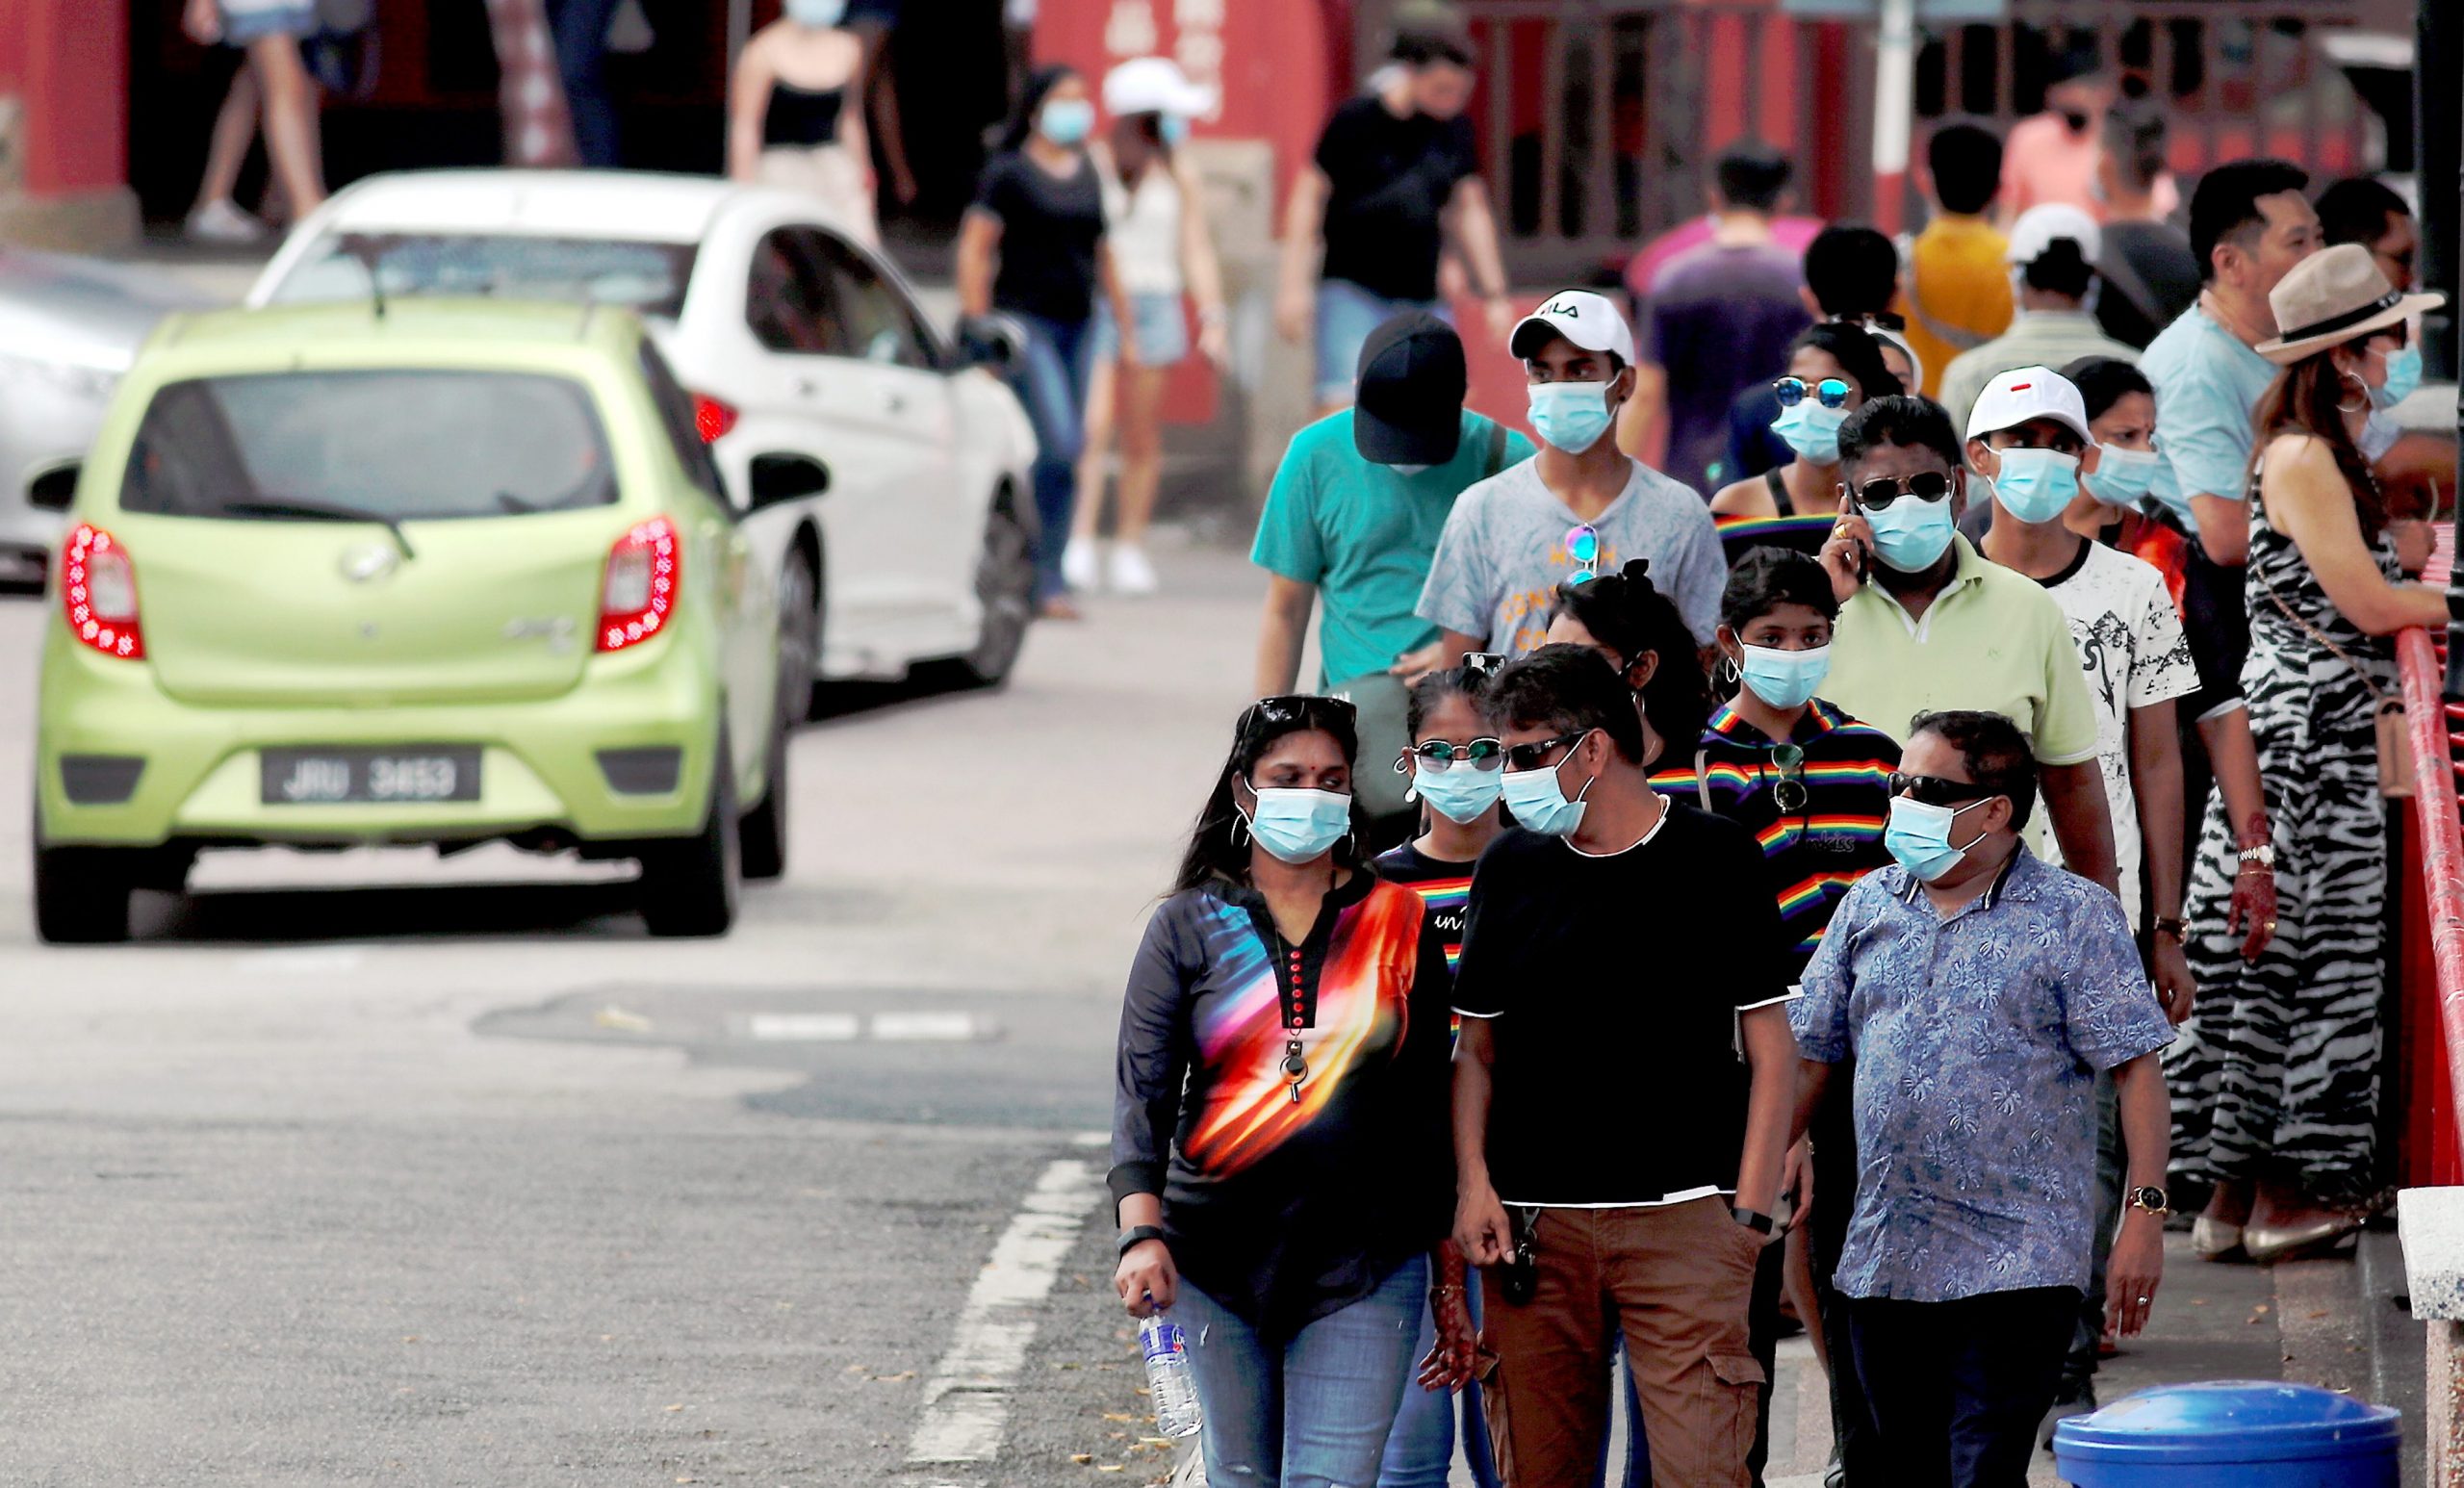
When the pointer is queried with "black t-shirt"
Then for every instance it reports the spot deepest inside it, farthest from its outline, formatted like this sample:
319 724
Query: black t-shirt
1613 986
1446 888
2151 279
1049 229
1392 180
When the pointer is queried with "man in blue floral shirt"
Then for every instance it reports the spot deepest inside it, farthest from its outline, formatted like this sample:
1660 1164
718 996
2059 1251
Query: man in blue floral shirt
1976 992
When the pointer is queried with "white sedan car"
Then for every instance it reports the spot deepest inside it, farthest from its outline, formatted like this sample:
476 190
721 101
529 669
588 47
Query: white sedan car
881 469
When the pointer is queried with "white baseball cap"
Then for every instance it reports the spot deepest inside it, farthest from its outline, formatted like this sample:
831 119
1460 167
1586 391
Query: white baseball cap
2039 226
2026 393
1154 85
1586 320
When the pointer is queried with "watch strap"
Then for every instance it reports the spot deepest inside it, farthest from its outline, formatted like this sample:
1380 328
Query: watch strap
1753 1220
1139 1235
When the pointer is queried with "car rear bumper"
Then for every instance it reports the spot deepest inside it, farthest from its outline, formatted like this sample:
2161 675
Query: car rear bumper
542 774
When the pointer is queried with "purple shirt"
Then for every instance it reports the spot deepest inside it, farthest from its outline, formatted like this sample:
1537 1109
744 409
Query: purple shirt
1719 321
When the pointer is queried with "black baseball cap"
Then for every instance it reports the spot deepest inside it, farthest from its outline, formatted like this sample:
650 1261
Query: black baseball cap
1408 409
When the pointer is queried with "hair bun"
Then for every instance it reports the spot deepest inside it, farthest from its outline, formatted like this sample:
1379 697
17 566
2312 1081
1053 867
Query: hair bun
1637 571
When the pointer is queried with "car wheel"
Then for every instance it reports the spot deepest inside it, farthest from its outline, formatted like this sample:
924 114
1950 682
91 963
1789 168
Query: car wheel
1005 581
763 835
82 893
690 885
798 637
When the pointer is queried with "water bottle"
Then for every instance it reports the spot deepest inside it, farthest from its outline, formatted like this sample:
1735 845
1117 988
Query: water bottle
1168 1375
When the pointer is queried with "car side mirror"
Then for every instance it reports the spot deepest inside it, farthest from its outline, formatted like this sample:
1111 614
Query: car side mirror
56 488
787 477
994 343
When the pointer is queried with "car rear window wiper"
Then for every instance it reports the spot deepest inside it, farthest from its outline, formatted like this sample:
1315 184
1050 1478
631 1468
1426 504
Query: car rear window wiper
322 511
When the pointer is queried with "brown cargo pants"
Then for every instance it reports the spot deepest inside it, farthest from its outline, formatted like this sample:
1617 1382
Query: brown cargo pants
1676 1279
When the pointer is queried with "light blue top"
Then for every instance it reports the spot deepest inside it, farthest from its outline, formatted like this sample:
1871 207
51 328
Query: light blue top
1977 1041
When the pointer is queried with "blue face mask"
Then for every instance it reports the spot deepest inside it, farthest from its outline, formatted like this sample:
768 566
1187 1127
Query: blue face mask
2124 476
818 14
2404 375
1785 679
1909 534
1812 430
1458 792
1175 129
1539 803
2036 485
1919 837
1299 826
1066 121
1570 415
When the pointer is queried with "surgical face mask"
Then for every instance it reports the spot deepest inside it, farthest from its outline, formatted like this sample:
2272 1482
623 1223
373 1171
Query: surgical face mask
1570 415
2404 375
2036 485
1411 470
1812 430
1785 679
1539 802
1066 121
819 14
1919 837
1459 790
2124 476
1298 825
1908 534
1175 129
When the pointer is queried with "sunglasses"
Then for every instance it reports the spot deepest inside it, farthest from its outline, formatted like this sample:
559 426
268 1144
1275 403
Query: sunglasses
1926 485
1483 753
1535 754
1583 545
1297 708
1934 791
1482 667
1830 392
1790 792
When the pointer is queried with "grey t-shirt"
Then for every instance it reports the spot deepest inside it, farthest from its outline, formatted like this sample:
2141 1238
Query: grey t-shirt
1504 554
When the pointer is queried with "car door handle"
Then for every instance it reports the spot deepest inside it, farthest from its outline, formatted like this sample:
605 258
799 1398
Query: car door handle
806 387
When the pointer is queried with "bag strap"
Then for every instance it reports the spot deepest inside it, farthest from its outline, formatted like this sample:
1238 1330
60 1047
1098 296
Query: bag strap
2376 692
1702 777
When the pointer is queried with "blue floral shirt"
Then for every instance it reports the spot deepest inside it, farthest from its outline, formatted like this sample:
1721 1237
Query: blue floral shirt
1977 1040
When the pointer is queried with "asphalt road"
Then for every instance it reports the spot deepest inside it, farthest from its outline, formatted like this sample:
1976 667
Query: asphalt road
386 1169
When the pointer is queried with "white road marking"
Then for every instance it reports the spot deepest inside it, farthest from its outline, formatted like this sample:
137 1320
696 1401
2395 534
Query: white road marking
928 1027
879 1028
966 1400
804 1027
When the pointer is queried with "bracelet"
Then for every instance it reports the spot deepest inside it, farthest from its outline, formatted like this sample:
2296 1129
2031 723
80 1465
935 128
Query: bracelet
1441 1294
1137 1235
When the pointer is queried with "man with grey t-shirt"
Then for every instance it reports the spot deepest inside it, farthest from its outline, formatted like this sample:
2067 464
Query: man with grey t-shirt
1579 506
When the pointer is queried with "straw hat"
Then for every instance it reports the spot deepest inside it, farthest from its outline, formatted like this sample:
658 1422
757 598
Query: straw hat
2335 295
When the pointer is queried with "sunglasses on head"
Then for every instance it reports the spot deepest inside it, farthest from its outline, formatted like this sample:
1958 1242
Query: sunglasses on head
1535 754
1926 485
1482 667
1830 392
1297 708
1934 791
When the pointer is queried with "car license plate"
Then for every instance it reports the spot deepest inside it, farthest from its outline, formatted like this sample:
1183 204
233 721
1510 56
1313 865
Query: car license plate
317 777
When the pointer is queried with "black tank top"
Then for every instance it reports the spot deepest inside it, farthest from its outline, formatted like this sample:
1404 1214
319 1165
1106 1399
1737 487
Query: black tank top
801 117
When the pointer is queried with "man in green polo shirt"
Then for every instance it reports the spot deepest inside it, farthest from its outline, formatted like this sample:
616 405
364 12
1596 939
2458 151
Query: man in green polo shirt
1358 502
1926 624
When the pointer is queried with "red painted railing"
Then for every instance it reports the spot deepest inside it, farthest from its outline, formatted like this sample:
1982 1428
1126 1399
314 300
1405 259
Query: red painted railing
2434 905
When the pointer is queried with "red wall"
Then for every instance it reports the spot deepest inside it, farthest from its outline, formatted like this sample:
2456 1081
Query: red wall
66 61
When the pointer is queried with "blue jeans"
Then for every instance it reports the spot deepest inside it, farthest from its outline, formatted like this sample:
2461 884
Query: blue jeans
580 31
1421 1451
1311 1411
1347 315
1051 382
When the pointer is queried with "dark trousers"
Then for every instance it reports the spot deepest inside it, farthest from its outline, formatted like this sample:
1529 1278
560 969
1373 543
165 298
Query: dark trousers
1958 1389
1835 1189
580 31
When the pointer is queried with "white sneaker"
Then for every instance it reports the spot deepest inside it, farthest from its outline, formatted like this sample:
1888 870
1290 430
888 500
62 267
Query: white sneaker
1079 563
1131 573
221 220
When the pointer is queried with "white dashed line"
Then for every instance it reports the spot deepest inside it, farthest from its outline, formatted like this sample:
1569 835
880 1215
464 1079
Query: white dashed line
928 1027
879 1028
966 1401
804 1027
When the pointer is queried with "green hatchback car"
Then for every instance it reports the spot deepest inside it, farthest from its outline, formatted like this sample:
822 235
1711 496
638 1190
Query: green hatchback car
441 573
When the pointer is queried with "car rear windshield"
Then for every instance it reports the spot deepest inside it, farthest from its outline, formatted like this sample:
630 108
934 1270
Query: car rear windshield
399 446
649 277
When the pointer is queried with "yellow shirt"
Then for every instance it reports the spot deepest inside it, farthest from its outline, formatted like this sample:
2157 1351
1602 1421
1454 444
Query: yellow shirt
1993 639
1956 296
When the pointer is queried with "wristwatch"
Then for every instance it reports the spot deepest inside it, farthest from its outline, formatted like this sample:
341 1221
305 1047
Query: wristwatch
1760 1223
2148 1197
2262 855
1139 1235
2173 925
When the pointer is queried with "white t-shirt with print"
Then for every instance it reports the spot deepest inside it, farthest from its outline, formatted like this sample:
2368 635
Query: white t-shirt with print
2131 646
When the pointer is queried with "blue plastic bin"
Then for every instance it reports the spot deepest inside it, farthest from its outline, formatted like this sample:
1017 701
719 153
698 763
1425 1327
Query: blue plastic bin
2232 1433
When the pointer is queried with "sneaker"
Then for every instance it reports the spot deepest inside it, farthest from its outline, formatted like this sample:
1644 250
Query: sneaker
1079 562
1131 573
2075 1399
221 220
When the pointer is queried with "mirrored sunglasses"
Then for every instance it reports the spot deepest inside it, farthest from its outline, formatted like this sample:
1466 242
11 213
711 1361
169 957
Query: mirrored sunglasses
1830 392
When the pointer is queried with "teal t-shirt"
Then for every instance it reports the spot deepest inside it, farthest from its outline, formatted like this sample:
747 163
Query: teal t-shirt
1365 534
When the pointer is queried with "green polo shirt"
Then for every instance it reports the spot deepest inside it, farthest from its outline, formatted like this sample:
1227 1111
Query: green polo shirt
1993 639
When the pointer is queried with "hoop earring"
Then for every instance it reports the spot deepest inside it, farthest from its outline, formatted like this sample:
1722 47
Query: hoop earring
2354 378
1240 830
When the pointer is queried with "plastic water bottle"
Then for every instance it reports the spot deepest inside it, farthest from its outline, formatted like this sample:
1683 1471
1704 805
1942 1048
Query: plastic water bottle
1168 1375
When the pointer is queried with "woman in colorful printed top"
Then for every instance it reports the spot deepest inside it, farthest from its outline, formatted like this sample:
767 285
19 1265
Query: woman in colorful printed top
1281 1161
1458 770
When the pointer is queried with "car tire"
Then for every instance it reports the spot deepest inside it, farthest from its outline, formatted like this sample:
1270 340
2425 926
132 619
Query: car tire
690 886
1005 583
762 836
798 637
82 893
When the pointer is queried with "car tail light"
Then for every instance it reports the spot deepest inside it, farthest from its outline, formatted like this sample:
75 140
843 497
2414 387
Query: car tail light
98 591
713 418
643 570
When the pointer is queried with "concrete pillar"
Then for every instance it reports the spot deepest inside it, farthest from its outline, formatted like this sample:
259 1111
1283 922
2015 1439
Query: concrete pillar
63 125
2445 1387
2431 1222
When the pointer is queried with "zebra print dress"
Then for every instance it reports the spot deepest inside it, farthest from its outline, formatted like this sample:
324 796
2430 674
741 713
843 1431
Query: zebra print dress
2276 1073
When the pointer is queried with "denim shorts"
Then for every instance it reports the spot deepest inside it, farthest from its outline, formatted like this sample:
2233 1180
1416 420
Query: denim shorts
249 21
1163 334
1346 317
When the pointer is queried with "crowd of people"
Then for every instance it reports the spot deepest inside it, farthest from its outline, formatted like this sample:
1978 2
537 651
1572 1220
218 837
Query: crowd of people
1872 880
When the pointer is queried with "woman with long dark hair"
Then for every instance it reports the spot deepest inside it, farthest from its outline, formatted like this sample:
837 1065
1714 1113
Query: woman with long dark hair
1833 368
1624 617
1281 1162
2275 1076
1031 246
